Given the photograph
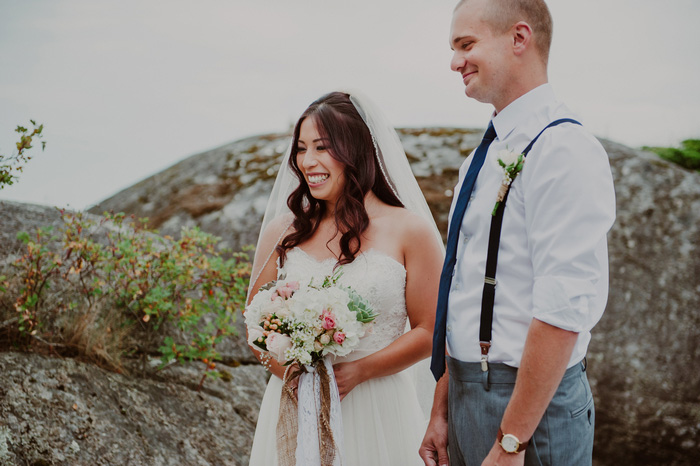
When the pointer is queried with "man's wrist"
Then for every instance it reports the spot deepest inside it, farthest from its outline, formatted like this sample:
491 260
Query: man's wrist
440 400
510 443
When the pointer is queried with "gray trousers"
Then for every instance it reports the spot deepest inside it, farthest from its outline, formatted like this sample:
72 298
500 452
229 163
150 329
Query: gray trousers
564 436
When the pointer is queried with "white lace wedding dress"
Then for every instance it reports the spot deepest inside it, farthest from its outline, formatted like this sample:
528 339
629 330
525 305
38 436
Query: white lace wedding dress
383 423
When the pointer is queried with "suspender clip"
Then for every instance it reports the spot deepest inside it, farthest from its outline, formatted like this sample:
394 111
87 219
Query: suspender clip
490 281
485 346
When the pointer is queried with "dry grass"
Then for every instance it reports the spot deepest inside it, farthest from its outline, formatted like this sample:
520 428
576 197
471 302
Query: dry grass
100 337
93 333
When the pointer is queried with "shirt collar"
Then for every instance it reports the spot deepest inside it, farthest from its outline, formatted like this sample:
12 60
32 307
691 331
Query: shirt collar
522 108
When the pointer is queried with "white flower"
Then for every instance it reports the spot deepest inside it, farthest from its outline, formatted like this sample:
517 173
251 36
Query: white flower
508 156
279 308
512 163
277 344
253 334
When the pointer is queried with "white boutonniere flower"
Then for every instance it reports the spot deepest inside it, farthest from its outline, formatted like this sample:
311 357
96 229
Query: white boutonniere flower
512 164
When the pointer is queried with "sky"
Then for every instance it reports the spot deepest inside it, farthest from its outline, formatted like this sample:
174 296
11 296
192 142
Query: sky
127 88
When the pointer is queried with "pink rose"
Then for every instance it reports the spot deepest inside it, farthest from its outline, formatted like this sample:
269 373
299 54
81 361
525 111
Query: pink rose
328 320
339 337
277 344
287 290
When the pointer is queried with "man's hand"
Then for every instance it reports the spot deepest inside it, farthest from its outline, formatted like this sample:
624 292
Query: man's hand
498 457
433 450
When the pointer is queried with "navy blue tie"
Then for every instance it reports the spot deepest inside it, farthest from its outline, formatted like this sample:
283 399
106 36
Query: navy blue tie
437 365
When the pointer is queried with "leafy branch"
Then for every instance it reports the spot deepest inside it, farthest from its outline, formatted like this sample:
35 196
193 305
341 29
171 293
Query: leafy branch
15 163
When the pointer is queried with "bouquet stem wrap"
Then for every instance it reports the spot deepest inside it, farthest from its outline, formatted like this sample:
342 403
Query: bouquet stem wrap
310 432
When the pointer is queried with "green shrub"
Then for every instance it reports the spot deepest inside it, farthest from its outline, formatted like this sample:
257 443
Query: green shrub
113 282
688 155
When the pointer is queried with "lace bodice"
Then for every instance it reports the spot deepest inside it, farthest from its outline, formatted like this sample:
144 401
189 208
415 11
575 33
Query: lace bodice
378 278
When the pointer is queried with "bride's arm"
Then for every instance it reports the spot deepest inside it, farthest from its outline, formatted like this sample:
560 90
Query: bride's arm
423 259
264 271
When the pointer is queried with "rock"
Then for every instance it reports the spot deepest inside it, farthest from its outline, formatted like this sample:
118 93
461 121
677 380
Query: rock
16 217
64 412
646 350
224 191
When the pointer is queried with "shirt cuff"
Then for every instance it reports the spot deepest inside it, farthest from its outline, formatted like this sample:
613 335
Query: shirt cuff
564 302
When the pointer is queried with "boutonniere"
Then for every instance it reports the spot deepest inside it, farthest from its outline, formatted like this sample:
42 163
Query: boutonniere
512 164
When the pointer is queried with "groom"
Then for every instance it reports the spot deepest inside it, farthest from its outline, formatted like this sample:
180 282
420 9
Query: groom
515 390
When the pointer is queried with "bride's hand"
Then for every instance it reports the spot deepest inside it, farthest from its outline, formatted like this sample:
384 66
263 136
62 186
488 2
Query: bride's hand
293 384
347 376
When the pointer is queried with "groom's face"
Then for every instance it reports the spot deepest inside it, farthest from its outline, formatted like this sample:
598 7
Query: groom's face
480 55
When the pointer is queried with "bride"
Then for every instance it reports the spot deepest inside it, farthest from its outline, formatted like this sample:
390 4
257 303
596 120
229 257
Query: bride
345 196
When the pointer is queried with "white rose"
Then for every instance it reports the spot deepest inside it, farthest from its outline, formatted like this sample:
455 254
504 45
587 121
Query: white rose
325 339
253 334
508 156
279 308
277 344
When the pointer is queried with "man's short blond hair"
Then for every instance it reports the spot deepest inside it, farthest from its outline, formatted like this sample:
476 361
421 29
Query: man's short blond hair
503 14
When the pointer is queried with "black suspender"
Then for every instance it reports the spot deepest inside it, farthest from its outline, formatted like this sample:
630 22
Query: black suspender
487 299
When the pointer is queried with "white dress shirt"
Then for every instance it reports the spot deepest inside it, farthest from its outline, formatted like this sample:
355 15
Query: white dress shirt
553 259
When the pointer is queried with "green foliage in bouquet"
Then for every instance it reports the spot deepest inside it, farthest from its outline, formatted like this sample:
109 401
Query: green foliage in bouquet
15 163
116 282
687 156
361 307
357 304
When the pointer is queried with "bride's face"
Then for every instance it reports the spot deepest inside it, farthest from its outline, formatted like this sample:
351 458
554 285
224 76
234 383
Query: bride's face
323 174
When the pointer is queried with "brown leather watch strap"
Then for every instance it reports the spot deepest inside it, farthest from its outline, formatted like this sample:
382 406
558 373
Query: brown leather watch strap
521 445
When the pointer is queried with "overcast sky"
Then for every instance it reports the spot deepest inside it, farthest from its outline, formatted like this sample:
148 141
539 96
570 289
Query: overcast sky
127 88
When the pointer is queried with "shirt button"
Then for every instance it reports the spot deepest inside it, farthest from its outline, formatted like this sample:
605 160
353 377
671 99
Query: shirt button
449 327
465 239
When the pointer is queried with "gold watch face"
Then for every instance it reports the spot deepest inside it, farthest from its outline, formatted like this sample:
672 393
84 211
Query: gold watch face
510 443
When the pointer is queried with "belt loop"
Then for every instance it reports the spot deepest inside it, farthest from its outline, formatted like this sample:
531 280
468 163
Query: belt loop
485 380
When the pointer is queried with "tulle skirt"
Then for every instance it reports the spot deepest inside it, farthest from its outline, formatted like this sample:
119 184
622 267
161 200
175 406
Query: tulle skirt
383 424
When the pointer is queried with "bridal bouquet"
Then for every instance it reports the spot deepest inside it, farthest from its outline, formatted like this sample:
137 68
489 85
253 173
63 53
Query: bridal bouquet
294 323
303 324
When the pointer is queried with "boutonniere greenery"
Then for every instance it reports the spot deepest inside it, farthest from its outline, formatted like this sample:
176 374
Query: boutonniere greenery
512 164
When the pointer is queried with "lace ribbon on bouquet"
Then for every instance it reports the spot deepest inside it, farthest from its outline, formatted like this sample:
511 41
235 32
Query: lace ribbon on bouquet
315 424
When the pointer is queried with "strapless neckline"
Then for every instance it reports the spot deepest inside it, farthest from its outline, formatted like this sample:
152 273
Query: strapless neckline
367 253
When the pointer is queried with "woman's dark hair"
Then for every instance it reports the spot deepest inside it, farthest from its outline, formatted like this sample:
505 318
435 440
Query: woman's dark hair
351 144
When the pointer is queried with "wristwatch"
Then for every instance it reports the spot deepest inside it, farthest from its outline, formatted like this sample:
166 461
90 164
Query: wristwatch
510 442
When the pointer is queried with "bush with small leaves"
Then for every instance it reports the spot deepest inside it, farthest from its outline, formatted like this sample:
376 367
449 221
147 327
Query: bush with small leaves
116 275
